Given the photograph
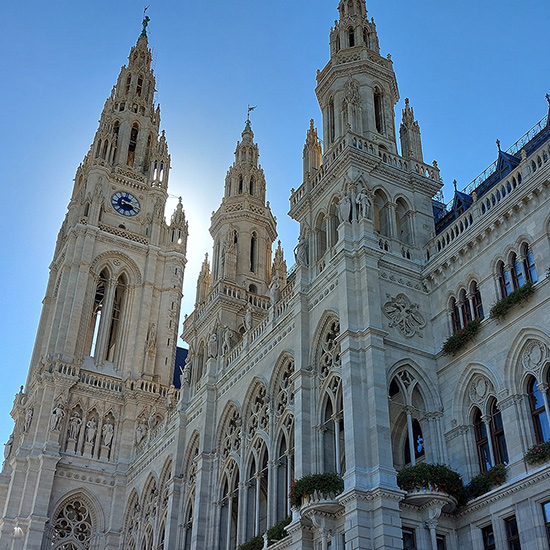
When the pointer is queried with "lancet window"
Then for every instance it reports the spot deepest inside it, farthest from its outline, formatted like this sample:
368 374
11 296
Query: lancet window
132 145
539 414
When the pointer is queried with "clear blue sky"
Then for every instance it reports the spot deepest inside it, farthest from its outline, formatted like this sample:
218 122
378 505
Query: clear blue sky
474 71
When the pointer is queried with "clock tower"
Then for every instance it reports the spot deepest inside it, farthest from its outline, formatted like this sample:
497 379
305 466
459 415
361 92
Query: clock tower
100 379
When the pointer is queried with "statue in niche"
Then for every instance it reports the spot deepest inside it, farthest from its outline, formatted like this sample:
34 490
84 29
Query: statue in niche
141 430
274 291
248 319
213 346
28 420
300 252
74 426
57 416
8 447
344 208
108 432
152 338
91 429
227 340
364 204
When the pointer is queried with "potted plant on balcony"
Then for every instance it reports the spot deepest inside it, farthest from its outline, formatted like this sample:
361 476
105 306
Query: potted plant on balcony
315 487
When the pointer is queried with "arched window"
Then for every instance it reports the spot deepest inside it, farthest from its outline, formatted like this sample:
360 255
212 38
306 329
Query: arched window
504 281
402 213
72 526
116 130
116 314
251 187
497 434
97 312
139 86
331 121
229 509
455 316
482 442
321 235
351 37
418 443
257 493
333 430
240 184
538 411
529 264
465 307
516 272
379 110
381 214
253 252
132 145
128 82
476 301
188 525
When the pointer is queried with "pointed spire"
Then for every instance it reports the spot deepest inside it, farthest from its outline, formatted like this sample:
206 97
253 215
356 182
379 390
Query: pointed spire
312 154
409 133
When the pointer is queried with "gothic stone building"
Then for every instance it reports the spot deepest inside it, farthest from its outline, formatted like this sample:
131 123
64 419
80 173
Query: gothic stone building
335 365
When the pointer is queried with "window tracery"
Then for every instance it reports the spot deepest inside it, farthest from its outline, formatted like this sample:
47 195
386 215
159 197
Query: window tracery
330 349
72 527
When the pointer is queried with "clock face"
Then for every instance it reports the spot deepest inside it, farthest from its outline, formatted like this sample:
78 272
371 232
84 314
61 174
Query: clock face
125 203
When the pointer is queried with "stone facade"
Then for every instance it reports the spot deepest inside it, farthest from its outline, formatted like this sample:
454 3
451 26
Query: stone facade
335 365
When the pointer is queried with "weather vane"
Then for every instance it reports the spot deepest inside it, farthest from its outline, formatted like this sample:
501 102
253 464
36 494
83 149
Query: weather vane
145 21
250 109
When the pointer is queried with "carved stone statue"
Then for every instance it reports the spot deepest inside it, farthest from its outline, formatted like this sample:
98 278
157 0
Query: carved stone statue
108 432
344 208
274 291
141 430
28 420
152 338
364 204
57 416
300 252
91 429
227 340
8 447
152 422
74 426
213 346
248 319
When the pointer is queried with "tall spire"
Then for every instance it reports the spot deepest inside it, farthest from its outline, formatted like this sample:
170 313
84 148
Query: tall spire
409 132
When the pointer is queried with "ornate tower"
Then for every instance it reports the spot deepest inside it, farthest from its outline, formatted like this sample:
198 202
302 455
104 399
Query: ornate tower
236 292
103 361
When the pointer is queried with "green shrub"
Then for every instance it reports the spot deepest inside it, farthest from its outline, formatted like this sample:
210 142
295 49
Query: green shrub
461 337
538 454
484 482
324 484
435 476
520 295
257 543
278 531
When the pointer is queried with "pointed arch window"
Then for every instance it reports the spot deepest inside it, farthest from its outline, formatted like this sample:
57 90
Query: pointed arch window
139 86
229 511
351 37
251 187
116 315
128 82
256 501
476 301
132 145
418 444
529 264
333 432
500 450
379 110
516 270
116 130
99 300
72 527
241 184
331 121
539 414
455 316
253 252
482 441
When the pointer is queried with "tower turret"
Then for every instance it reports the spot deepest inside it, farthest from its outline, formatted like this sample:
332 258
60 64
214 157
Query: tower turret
357 90
313 153
409 132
